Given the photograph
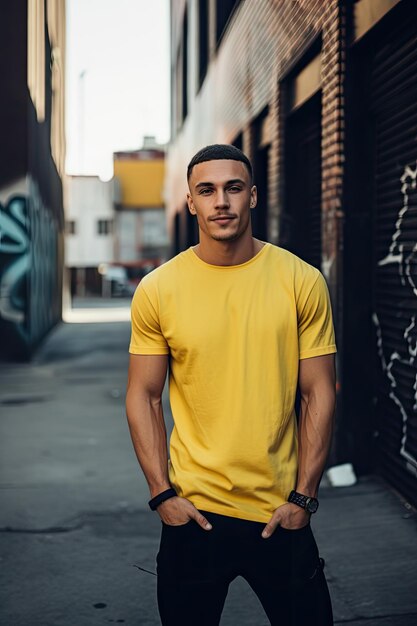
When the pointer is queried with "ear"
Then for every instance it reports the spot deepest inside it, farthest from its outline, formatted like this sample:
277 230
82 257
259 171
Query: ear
191 204
253 197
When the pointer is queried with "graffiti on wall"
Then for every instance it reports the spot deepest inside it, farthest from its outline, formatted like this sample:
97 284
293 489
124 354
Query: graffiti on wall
15 262
45 275
30 282
403 253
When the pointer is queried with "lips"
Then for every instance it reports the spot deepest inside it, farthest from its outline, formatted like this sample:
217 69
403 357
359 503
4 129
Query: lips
223 218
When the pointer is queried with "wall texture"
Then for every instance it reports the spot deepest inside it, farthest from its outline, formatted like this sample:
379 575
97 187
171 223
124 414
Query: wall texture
32 151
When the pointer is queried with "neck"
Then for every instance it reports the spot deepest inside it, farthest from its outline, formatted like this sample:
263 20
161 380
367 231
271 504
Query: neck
228 252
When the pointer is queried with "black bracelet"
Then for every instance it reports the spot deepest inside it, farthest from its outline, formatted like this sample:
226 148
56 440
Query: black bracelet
161 497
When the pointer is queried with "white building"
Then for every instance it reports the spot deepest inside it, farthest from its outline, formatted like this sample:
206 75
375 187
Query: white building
89 240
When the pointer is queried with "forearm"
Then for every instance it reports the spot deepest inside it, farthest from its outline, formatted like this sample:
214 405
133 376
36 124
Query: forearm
147 429
314 437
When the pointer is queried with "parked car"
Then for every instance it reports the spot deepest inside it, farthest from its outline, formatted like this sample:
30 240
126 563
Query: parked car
123 278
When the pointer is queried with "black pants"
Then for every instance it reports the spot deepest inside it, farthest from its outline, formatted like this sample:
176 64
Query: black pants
195 568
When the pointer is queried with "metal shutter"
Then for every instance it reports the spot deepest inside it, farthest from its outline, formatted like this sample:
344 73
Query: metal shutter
302 230
393 92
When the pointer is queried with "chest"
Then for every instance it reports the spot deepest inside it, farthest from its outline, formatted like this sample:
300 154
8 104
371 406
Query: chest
198 318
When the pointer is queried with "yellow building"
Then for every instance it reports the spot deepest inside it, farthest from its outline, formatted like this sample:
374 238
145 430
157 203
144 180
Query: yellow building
141 177
140 214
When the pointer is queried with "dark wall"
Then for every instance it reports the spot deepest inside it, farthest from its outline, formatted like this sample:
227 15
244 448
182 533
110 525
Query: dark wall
380 369
14 97
31 222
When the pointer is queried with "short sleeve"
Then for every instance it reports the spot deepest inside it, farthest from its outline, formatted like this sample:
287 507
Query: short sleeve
315 324
146 335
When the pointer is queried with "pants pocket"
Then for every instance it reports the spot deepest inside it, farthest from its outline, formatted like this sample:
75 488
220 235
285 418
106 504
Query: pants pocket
190 521
184 552
305 559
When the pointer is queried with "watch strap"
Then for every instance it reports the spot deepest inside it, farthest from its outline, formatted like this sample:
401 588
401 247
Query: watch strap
303 501
161 497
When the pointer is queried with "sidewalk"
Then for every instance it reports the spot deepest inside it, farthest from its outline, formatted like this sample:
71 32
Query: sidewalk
74 519
97 310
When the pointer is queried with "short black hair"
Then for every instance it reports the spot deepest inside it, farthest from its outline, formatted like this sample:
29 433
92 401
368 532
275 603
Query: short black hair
217 152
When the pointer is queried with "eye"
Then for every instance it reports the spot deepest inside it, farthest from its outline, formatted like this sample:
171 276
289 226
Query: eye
205 191
235 188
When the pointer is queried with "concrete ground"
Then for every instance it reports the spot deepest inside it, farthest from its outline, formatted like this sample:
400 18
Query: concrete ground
74 523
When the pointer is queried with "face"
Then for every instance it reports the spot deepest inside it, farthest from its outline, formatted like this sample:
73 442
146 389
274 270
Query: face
221 196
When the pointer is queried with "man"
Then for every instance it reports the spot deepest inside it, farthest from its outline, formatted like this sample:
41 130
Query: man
241 323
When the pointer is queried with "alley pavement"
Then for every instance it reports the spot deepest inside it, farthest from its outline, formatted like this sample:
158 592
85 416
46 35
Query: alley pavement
76 533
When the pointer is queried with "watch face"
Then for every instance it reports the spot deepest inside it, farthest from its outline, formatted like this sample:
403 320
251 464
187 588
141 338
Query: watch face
312 505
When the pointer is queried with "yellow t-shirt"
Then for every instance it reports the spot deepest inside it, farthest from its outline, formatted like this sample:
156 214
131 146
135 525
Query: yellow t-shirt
235 335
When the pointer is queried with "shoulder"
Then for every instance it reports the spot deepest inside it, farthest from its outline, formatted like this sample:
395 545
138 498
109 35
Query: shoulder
166 273
301 272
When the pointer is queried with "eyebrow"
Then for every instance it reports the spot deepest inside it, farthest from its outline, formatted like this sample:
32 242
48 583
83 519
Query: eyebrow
233 181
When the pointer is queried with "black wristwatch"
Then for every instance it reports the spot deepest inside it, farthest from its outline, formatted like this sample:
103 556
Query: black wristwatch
305 502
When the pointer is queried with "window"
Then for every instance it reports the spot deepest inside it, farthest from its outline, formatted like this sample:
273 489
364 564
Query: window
179 80
224 10
260 159
104 227
153 228
184 68
178 92
70 227
238 141
203 40
181 77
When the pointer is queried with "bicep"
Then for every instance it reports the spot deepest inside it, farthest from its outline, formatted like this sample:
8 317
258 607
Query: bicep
147 373
317 373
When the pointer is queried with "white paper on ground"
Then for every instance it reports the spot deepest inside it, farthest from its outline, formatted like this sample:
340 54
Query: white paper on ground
341 475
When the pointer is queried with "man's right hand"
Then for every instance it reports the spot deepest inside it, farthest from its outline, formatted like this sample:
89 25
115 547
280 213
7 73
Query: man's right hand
179 511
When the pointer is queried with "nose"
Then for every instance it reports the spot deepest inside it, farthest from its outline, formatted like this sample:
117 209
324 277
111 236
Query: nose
222 201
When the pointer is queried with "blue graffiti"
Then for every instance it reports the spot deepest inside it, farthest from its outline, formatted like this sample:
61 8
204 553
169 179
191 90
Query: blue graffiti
15 262
30 272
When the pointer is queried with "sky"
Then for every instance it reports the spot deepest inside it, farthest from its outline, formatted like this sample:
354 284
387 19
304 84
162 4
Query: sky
117 80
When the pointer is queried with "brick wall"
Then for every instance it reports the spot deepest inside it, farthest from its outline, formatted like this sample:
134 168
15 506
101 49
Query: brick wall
264 42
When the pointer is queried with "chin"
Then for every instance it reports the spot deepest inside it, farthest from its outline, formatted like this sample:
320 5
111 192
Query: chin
226 236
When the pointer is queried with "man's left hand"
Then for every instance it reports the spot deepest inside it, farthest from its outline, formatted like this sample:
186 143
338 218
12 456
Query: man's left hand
289 516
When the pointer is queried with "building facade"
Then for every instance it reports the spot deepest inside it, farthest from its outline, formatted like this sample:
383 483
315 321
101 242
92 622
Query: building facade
140 232
89 241
32 62
321 95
